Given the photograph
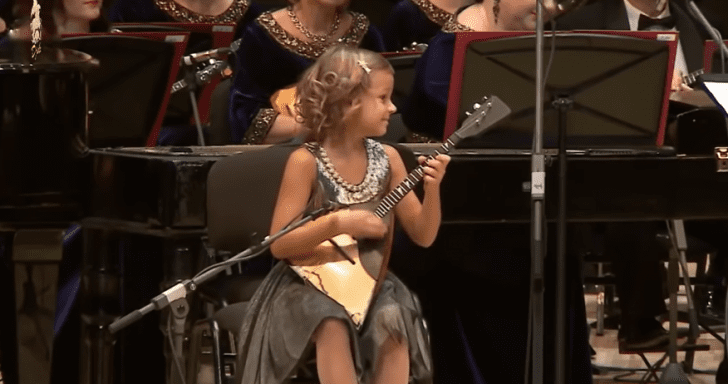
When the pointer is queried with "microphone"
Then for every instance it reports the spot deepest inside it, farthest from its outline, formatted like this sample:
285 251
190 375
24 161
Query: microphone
204 75
567 5
328 207
216 53
335 206
199 57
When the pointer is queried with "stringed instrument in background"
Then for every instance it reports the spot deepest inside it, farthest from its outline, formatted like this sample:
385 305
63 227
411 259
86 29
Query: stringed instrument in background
354 278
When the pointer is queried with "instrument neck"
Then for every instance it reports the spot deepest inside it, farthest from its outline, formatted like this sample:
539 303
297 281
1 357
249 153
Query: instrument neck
409 182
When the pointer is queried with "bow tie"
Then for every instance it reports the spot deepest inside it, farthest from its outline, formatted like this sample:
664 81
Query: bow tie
645 23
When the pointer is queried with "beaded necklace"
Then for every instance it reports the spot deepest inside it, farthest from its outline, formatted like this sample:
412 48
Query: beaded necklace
320 39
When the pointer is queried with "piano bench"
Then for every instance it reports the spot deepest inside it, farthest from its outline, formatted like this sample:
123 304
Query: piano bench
651 376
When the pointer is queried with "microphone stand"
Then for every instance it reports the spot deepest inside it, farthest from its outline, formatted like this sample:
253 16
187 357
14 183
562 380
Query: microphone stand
538 221
175 296
182 288
713 34
192 87
695 11
192 84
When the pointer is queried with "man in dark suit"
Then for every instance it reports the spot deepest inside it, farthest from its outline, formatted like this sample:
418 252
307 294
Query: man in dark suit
632 247
645 15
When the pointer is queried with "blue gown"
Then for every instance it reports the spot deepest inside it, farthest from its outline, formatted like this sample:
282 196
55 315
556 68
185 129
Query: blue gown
413 21
240 12
270 59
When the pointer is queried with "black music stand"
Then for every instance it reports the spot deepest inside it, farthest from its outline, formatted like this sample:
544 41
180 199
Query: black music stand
593 71
203 37
127 92
589 105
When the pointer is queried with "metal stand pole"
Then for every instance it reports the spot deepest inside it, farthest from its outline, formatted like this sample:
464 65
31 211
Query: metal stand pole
674 372
538 189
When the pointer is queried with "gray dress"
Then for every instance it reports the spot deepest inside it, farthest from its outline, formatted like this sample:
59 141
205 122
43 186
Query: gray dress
275 338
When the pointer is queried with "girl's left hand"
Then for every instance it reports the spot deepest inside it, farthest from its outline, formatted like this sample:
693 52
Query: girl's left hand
434 169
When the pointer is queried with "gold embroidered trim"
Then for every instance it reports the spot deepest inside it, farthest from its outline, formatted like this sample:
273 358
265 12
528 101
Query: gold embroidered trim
433 12
453 26
234 13
260 126
353 36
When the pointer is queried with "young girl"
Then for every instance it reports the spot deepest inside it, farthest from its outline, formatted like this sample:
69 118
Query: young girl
344 98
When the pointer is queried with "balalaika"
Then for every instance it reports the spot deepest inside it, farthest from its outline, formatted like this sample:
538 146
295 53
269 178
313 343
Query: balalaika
353 280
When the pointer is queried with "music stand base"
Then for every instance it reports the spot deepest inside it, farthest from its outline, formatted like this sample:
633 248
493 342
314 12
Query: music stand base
674 374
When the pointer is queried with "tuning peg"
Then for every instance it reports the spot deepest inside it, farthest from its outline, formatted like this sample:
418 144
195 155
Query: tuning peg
476 106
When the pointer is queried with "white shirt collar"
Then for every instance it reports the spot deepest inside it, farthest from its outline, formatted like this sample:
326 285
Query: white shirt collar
633 14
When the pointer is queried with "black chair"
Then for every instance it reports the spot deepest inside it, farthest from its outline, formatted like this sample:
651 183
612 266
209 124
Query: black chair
219 131
241 195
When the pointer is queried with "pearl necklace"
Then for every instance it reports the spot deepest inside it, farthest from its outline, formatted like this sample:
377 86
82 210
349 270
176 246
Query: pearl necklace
320 39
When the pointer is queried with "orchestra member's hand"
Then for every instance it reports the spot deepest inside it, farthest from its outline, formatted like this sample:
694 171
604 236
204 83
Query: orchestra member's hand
3 26
284 100
678 82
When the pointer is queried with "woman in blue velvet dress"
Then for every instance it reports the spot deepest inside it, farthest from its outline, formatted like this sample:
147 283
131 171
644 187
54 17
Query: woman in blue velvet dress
277 47
417 21
484 340
239 12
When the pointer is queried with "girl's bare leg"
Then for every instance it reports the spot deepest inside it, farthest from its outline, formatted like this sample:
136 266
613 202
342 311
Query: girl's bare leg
334 362
392 366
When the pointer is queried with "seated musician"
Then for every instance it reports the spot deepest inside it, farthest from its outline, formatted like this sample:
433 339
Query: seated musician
492 259
65 17
178 127
276 49
239 12
632 247
424 112
417 21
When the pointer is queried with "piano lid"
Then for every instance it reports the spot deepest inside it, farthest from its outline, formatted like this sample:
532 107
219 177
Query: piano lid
15 56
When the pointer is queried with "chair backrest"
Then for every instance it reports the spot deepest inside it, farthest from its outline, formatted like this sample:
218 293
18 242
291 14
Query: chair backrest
219 125
242 191
241 194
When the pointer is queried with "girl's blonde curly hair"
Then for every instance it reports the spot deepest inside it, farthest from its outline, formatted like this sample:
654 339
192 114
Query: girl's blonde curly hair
329 87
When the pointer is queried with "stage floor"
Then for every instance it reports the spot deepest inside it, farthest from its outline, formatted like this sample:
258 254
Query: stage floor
609 363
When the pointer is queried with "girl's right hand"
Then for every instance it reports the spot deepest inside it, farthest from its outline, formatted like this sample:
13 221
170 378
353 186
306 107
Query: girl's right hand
361 224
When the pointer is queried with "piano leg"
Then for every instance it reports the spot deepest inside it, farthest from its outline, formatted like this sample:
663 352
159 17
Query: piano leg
36 255
122 272
100 287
